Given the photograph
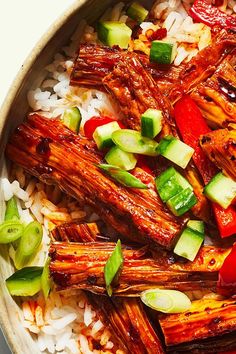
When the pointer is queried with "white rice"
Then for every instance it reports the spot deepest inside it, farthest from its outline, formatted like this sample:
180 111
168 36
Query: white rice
59 321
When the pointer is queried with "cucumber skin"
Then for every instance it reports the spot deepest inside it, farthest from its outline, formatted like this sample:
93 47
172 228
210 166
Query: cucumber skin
161 52
168 147
212 191
72 119
107 28
25 282
182 202
196 225
151 123
189 244
103 138
170 183
137 12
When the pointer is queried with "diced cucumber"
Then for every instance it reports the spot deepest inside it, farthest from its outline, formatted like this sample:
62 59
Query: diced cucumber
182 202
189 244
162 52
114 33
170 183
151 123
132 141
175 151
25 282
103 135
137 12
196 225
72 118
117 157
123 177
221 189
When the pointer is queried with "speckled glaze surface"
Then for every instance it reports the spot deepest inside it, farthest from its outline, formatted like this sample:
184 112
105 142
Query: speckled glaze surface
13 112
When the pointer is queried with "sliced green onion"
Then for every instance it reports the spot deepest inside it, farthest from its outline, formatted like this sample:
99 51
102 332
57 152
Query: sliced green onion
167 301
11 212
123 177
29 244
25 282
72 119
46 282
113 267
10 231
132 141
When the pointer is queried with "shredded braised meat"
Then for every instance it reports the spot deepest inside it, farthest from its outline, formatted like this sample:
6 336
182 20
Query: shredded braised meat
81 266
220 147
48 150
208 327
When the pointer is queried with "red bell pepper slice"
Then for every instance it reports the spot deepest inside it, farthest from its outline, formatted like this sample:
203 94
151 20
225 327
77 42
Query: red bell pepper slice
192 125
204 11
97 121
227 275
230 352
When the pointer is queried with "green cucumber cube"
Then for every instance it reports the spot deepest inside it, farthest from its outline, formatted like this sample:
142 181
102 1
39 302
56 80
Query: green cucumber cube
175 150
137 12
170 183
189 244
102 135
221 190
114 33
196 225
120 158
182 202
162 52
72 118
151 123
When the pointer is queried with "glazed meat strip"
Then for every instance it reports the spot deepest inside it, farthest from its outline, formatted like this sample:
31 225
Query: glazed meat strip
204 64
127 318
216 97
51 152
94 62
220 147
136 91
75 232
208 327
81 266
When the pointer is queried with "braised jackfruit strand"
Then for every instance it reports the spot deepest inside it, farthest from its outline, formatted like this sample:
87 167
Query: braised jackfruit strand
54 154
207 319
81 266
204 64
129 321
136 91
220 147
94 62
125 318
75 232
216 97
